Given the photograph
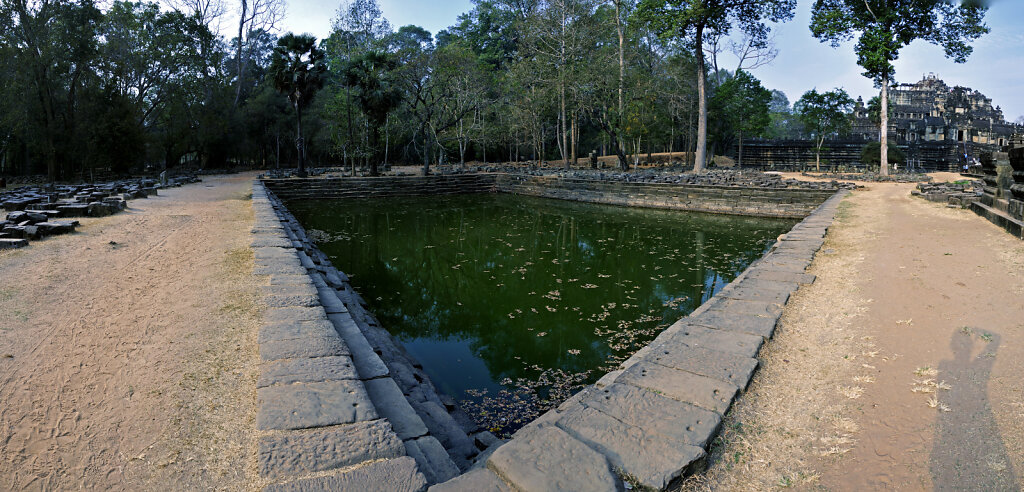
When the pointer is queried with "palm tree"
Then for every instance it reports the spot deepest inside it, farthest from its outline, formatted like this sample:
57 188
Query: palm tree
297 69
372 73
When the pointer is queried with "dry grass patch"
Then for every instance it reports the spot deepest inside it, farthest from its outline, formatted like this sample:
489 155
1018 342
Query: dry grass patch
792 413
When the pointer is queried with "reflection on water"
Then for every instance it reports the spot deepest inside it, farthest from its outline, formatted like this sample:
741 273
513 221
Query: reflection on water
511 303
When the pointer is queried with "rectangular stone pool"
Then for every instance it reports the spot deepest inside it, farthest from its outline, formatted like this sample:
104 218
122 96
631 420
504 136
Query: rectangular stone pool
513 303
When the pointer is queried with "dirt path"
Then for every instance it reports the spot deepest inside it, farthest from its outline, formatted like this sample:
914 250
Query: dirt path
898 369
127 350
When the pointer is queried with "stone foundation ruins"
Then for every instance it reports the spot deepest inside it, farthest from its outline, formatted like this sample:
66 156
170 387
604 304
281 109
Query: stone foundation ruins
34 212
1002 202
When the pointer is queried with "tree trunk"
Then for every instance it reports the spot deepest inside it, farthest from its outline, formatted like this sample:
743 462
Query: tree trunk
883 132
241 26
622 72
374 154
817 155
299 144
702 106
739 159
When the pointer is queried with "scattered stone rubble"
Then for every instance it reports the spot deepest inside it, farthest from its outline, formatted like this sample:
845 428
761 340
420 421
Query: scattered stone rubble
33 212
877 178
958 194
665 175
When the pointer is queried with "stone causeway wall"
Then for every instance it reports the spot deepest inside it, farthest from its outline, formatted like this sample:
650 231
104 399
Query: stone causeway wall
761 202
342 407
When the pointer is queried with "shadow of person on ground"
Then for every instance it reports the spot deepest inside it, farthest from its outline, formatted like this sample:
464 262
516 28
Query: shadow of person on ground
968 452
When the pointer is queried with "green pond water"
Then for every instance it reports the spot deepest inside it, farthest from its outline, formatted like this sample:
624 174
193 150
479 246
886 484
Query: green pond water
513 303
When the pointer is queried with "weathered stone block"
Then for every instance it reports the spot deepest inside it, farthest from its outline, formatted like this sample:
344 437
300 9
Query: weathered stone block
432 459
12 243
277 315
729 367
655 414
763 326
298 453
763 273
479 480
653 459
755 294
368 363
290 371
305 405
291 330
391 403
270 240
746 307
549 459
326 346
394 475
702 391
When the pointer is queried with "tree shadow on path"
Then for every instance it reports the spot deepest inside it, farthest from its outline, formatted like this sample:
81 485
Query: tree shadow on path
968 452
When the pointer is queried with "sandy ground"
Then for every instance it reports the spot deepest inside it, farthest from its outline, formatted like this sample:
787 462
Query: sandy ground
898 369
128 356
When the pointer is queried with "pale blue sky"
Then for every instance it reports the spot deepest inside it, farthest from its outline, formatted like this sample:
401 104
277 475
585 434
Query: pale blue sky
996 68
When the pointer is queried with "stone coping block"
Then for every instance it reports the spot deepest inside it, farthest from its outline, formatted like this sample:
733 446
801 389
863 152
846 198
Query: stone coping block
278 315
432 459
684 333
549 459
393 406
702 391
651 459
296 330
654 413
327 448
368 364
288 371
325 346
477 480
723 366
305 405
763 326
393 475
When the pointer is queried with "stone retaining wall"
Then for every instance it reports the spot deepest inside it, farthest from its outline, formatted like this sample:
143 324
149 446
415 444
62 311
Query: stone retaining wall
761 202
650 422
341 406
340 188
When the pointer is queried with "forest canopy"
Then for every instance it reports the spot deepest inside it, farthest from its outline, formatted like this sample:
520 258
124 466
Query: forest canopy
140 86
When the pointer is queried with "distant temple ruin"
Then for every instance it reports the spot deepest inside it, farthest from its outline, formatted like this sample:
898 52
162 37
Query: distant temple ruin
938 128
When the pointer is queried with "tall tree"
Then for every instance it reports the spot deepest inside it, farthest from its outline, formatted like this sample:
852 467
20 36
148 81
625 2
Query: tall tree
824 114
254 16
884 27
372 74
297 69
687 22
740 106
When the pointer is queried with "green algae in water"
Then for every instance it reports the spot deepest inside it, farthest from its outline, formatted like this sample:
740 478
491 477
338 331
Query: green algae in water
513 303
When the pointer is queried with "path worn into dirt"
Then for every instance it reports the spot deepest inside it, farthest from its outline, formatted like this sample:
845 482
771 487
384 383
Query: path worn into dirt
127 350
947 305
898 369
